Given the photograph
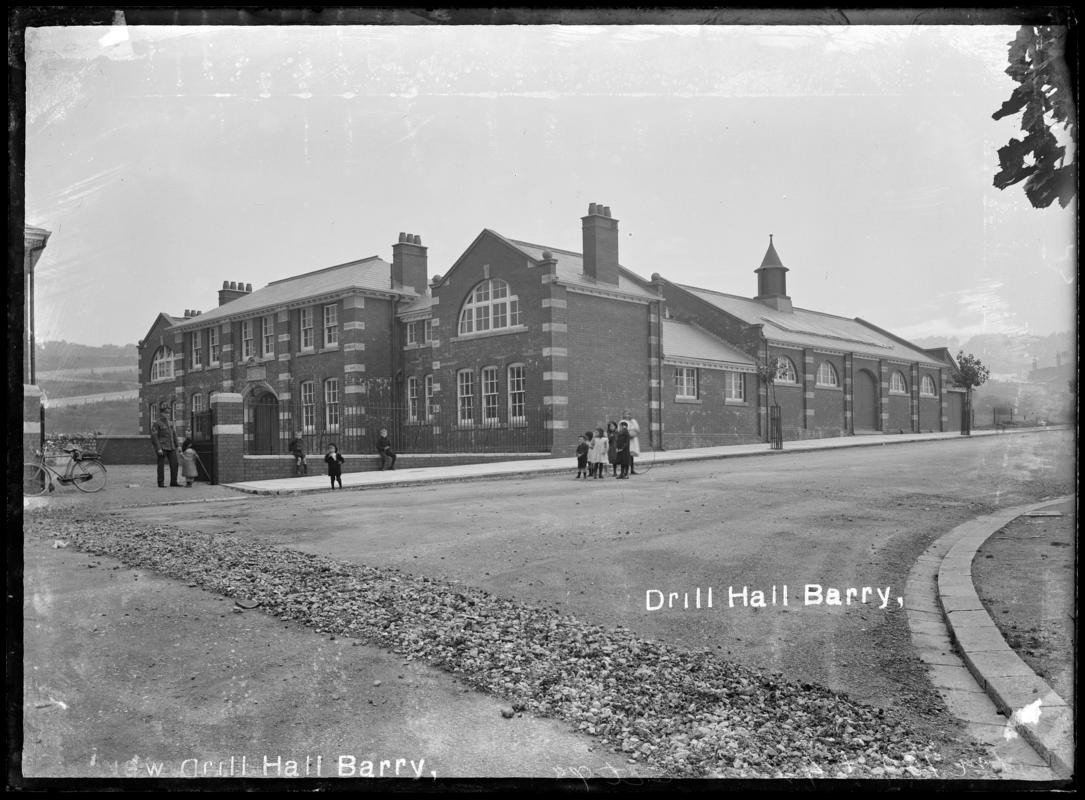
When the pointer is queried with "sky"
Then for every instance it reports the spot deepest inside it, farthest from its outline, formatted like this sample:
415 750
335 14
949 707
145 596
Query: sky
167 159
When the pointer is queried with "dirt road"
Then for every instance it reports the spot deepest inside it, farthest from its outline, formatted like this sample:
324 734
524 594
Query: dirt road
605 551
848 519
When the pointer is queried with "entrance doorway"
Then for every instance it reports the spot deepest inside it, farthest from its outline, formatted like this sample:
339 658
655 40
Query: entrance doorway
865 401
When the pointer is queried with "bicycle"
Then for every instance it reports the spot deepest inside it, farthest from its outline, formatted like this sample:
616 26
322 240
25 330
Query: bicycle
85 470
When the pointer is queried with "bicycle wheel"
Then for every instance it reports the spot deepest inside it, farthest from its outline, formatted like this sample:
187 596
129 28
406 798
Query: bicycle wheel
35 480
88 476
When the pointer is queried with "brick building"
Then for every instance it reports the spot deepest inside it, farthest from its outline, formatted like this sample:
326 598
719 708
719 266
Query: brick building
518 348
34 242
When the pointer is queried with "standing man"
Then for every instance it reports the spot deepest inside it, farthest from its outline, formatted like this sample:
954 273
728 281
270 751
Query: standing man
634 442
164 439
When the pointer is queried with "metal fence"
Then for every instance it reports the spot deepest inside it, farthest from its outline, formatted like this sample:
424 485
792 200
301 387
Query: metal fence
440 432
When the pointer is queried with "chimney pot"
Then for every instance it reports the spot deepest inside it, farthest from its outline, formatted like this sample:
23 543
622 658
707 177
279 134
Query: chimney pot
606 211
592 208
248 287
402 236
225 284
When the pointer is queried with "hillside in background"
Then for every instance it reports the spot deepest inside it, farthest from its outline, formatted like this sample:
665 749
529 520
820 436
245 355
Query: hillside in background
1010 355
56 355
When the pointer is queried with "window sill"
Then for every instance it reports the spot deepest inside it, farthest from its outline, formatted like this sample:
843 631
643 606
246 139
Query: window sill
483 334
830 388
695 401
728 402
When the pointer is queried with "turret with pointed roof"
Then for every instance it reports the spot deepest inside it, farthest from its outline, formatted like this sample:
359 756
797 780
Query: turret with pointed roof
772 280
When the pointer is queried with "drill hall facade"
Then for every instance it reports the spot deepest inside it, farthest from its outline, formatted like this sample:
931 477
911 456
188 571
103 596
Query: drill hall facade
517 349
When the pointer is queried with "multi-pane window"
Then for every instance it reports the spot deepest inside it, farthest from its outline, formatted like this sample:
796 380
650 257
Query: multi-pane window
197 349
927 388
267 326
897 384
490 306
412 333
685 383
427 331
331 405
162 364
490 415
428 389
734 386
197 403
214 353
308 407
306 329
331 325
412 399
785 370
465 397
827 375
517 394
247 348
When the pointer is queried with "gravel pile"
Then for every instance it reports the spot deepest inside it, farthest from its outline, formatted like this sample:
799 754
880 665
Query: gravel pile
684 713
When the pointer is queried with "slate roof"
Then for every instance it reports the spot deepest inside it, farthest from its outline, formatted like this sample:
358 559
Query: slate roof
683 340
570 268
805 328
371 273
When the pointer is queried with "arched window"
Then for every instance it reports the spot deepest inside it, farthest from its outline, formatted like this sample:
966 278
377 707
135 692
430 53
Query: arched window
162 365
897 384
927 387
489 307
785 370
197 403
827 375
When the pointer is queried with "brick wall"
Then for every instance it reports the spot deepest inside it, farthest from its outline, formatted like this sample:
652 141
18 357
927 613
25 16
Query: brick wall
827 402
607 362
710 420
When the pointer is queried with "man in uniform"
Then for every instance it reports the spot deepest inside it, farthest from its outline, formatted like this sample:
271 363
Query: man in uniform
164 439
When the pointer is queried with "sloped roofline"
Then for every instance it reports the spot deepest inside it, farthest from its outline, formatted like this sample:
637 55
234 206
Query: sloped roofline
324 269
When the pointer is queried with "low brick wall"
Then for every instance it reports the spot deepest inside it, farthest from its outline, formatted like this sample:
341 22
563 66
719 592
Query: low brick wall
265 468
126 449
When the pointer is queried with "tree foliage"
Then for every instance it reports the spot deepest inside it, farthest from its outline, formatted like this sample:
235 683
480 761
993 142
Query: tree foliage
1045 95
970 372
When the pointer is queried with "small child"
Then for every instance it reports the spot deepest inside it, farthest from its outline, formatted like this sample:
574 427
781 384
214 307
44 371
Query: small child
188 462
384 447
593 453
297 449
582 457
335 465
600 450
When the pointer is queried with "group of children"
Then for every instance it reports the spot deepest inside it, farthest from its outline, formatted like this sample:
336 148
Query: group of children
334 459
617 446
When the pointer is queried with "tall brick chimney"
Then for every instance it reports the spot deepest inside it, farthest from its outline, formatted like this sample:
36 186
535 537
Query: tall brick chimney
772 281
231 290
409 264
600 245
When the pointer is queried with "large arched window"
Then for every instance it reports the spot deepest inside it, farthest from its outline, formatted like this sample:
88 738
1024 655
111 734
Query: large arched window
490 306
827 375
927 387
785 370
897 384
162 364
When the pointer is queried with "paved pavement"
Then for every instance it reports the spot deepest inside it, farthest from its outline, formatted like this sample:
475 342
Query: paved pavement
1031 708
467 472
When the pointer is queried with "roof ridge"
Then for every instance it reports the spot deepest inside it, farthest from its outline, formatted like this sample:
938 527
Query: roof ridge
326 269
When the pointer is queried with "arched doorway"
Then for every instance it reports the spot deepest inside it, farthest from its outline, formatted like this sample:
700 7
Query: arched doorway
263 417
865 401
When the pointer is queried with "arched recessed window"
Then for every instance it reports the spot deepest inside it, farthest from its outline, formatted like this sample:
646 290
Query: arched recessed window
827 375
927 387
162 364
490 306
785 370
897 384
